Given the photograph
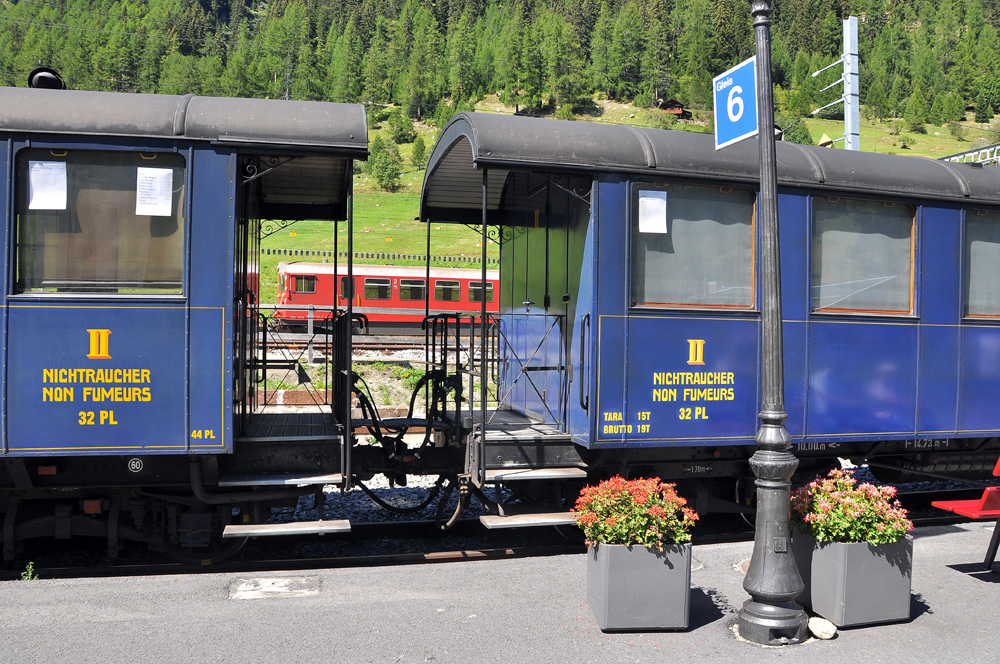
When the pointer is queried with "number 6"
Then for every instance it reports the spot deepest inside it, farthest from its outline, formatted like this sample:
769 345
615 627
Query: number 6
734 104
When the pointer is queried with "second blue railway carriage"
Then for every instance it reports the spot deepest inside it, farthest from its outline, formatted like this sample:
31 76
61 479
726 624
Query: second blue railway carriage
630 303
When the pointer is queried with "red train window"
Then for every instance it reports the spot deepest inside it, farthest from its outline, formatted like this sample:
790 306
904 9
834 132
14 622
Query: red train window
304 283
378 289
412 289
476 291
346 287
447 291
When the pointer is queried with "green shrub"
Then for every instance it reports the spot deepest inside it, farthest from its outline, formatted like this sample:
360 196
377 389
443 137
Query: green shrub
565 112
419 155
385 164
400 127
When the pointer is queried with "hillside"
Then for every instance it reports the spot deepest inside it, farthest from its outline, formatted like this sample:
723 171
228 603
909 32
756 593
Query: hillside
925 61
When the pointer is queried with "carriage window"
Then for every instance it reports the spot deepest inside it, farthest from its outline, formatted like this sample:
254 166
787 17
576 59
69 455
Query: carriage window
476 291
447 291
692 246
304 283
982 256
412 289
346 287
862 256
99 222
378 289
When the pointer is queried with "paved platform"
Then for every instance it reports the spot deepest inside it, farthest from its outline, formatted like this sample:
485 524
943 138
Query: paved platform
504 611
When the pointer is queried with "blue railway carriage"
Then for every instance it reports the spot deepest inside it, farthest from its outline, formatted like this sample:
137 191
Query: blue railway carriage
629 322
130 331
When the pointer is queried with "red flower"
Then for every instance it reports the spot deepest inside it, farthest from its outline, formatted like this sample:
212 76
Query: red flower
639 511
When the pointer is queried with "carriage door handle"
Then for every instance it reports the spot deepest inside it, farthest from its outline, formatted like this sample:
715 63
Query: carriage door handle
584 325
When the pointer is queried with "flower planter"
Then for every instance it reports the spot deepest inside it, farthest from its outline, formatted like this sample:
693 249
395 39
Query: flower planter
857 583
633 588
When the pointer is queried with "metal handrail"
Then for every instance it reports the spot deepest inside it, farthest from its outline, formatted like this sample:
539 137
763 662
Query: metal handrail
327 339
989 154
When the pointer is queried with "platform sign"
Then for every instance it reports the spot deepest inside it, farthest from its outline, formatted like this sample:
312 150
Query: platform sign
735 102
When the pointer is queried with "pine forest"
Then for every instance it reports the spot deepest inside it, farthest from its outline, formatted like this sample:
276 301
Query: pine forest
924 61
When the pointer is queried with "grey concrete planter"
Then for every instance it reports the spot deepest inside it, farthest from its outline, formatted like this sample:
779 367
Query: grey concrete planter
632 588
855 584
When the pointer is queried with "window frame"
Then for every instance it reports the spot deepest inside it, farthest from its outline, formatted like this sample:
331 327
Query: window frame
346 281
408 283
967 266
452 285
844 311
306 278
377 283
477 286
19 191
664 185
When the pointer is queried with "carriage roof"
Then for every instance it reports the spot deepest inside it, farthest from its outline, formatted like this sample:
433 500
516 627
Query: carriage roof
499 144
272 122
322 137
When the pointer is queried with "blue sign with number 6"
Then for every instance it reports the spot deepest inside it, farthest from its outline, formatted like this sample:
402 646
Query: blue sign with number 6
735 101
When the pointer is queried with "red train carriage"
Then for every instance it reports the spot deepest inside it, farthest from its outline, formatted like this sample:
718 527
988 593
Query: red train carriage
394 298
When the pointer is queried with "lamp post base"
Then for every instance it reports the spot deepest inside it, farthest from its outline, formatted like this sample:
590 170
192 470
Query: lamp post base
773 624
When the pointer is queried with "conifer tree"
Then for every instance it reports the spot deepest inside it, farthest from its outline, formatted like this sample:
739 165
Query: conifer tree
600 51
954 108
915 114
627 45
418 156
461 51
344 73
876 101
984 111
420 80
385 163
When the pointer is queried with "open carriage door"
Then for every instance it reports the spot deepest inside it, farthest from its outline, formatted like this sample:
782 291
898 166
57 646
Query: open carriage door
274 189
473 178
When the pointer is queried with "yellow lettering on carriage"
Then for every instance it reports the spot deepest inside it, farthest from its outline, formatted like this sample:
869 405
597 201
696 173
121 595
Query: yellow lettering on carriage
99 346
696 351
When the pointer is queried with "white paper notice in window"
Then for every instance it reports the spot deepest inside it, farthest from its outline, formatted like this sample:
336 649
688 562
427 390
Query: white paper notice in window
47 185
153 191
653 212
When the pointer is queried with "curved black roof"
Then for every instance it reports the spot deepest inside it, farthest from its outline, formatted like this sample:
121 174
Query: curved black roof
321 126
472 142
321 137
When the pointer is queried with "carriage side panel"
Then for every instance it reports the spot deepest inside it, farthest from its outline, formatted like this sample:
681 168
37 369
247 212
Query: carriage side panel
941 287
209 420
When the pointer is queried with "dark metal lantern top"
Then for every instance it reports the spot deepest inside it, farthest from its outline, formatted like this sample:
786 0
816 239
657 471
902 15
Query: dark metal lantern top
452 188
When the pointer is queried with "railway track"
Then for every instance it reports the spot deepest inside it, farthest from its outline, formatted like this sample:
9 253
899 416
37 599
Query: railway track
389 543
368 545
298 342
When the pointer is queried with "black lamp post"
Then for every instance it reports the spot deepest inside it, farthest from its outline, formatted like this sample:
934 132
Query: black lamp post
771 615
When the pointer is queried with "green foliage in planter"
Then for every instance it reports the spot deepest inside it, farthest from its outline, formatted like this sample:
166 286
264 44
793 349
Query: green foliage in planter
646 512
838 509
